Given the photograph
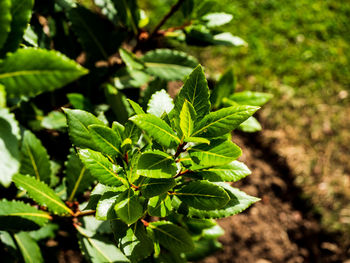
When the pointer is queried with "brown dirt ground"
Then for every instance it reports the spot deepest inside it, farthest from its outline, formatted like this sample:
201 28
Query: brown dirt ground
282 226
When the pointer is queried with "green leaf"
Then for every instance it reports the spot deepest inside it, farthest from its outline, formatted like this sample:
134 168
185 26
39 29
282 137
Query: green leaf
30 36
105 205
105 139
78 122
2 96
102 169
136 245
224 88
227 39
95 33
21 12
172 237
203 248
45 232
223 121
97 193
16 215
219 152
78 179
136 107
130 60
217 19
196 91
203 195
159 103
231 172
169 64
34 158
187 118
151 187
79 101
55 120
128 207
197 140
250 125
41 193
126 78
239 201
5 20
29 248
99 249
156 164
159 205
30 71
158 129
9 152
251 98
128 13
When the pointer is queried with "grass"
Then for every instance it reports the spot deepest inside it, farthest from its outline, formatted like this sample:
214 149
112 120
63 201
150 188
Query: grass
300 52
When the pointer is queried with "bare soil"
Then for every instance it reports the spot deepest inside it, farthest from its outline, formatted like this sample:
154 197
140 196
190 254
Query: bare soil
282 227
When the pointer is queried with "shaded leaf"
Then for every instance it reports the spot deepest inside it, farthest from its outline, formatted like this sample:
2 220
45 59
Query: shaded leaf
78 179
159 205
34 158
171 236
169 64
29 248
16 215
130 60
251 98
96 34
5 20
128 207
224 88
21 12
136 245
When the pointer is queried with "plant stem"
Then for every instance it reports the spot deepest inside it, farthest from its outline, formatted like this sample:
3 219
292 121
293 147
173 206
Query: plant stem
84 213
180 149
172 11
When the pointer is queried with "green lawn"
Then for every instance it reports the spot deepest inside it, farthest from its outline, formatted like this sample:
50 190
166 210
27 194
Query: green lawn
299 50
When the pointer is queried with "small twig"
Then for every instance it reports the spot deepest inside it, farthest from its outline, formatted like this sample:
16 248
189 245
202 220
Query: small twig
145 223
84 213
182 173
180 149
173 9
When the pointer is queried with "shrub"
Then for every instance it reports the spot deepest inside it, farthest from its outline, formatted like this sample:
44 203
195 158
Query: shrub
149 186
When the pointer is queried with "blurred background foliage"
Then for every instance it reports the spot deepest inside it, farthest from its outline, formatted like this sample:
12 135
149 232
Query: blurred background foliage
297 50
